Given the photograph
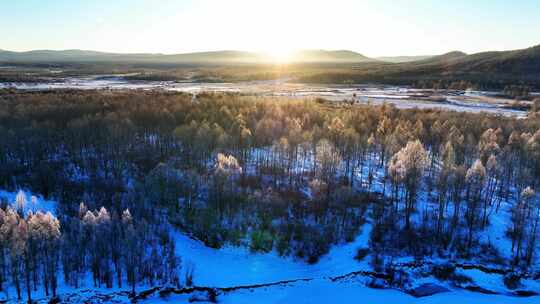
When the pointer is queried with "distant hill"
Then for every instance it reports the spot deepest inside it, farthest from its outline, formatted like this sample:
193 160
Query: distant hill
444 58
509 62
212 57
216 57
422 58
340 56
400 59
488 69
45 56
523 63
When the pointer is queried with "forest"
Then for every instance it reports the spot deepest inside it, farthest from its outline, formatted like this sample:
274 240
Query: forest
268 173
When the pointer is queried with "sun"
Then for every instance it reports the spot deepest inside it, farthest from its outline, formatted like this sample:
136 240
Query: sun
280 54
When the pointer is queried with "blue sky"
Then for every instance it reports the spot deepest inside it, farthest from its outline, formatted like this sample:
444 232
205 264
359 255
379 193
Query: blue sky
374 28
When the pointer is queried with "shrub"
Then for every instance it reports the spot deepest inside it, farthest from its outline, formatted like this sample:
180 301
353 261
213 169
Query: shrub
261 241
190 270
361 253
512 281
283 246
444 272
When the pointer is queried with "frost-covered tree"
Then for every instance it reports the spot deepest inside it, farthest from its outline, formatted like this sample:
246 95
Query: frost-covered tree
132 249
521 220
492 179
21 202
328 160
383 131
14 236
488 144
533 227
33 203
407 166
475 177
97 228
443 183
227 165
44 234
226 173
533 145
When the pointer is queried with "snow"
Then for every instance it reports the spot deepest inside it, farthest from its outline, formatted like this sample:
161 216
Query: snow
496 230
238 266
489 281
325 291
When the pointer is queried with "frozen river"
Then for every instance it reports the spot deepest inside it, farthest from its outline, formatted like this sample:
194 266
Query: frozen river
401 97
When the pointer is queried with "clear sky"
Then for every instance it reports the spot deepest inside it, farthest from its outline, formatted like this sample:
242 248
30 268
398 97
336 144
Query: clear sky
371 27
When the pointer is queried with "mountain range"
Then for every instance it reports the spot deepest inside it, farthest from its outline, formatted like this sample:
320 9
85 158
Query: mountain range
215 57
493 68
399 59
516 60
523 64
487 69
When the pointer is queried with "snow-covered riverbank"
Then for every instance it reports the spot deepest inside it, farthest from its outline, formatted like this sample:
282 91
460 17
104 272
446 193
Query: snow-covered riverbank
401 97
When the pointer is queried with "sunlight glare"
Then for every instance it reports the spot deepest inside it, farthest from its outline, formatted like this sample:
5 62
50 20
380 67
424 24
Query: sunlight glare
280 54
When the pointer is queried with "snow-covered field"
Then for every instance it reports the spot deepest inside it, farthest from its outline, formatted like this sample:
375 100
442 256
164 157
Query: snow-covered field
231 267
324 291
238 266
312 292
401 97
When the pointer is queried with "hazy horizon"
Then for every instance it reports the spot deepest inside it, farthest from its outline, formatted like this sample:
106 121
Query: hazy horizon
262 52
372 28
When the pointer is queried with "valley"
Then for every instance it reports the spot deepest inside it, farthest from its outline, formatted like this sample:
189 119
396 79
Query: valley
402 97
272 152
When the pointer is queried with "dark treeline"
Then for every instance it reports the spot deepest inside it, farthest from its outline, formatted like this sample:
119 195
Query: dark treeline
519 92
273 174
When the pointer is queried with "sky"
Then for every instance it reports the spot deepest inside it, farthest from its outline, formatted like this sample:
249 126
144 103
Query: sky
371 27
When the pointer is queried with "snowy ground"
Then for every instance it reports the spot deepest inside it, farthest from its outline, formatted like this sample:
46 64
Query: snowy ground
312 292
401 97
238 266
323 291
